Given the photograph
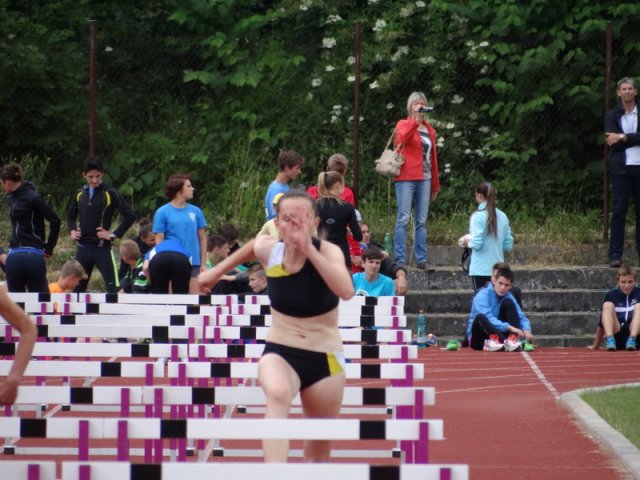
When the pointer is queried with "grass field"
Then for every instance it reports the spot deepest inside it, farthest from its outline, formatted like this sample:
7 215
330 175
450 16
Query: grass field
619 408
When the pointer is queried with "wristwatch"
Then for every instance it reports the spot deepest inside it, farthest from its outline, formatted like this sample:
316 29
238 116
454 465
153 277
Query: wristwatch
112 236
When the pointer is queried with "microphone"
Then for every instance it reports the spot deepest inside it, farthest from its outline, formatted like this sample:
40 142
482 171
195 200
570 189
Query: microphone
425 109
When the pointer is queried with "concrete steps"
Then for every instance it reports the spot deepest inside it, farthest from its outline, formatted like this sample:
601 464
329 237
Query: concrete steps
563 302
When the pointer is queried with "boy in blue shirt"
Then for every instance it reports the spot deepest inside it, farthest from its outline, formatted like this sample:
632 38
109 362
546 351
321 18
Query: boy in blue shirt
496 321
370 283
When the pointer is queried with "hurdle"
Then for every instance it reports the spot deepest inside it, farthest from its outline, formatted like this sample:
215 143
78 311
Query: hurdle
416 431
200 320
42 369
221 395
150 370
202 352
193 334
387 371
184 299
39 470
34 470
263 471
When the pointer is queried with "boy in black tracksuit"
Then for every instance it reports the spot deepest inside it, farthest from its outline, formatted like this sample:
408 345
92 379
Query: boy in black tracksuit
93 207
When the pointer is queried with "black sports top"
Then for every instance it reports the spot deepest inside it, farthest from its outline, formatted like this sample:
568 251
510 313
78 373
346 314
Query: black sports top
300 294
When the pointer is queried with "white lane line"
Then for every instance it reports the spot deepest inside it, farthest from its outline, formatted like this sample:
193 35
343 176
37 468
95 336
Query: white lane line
540 375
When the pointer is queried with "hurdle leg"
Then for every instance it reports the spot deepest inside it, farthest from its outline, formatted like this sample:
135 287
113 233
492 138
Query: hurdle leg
157 444
123 441
422 444
83 441
446 473
33 472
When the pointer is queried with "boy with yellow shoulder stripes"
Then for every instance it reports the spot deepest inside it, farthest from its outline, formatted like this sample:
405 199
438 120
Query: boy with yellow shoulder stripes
89 220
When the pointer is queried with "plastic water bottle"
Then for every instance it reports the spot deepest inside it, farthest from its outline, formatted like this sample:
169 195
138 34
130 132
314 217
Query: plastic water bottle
421 329
388 246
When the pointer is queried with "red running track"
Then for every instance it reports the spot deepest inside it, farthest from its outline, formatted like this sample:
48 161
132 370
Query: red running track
501 413
502 416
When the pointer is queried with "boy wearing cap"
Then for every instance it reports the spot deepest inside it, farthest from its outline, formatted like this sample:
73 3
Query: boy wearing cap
89 220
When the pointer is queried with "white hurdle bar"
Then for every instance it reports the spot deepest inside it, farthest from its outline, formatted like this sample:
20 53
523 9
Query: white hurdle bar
193 334
61 368
28 470
178 299
198 351
200 320
416 431
387 371
154 307
220 395
263 471
67 369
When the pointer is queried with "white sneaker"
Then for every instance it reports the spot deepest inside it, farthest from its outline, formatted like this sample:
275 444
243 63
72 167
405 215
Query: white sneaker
492 344
512 343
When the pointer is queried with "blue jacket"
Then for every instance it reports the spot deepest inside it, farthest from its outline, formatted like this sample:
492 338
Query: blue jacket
624 304
486 301
487 250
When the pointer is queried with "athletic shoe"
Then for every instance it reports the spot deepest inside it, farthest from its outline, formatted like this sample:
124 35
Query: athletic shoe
631 344
610 343
492 344
426 266
512 343
432 340
453 345
527 346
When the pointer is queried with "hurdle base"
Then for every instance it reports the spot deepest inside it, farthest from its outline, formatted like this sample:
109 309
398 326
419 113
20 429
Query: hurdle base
191 452
9 450
217 452
241 409
66 408
396 453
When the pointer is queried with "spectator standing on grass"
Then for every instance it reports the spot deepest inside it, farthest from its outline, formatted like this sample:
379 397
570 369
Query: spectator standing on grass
489 236
71 274
371 283
418 182
16 317
289 167
29 245
496 321
619 325
336 214
183 222
168 268
89 218
622 135
303 350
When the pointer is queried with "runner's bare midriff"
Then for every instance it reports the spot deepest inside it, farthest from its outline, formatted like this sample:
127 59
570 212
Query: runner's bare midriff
319 333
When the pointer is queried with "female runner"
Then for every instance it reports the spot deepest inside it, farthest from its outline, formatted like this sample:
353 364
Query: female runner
303 351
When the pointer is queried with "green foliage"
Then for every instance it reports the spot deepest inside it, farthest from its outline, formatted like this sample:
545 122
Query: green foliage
217 87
